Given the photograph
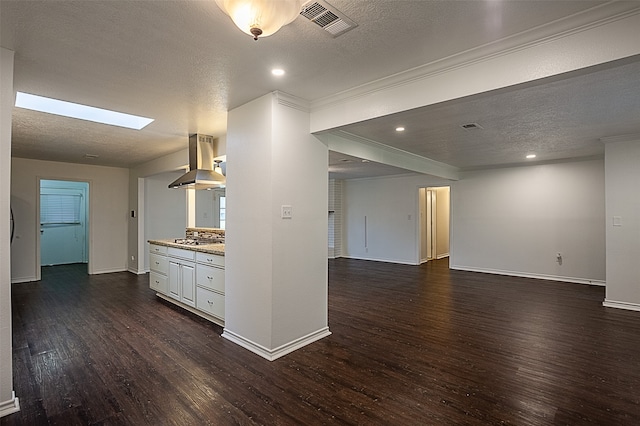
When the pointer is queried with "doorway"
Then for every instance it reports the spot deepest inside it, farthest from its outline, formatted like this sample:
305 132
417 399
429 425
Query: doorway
434 207
64 213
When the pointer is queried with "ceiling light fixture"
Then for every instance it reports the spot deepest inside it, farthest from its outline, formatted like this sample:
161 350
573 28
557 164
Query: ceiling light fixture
277 72
82 112
399 129
530 156
260 18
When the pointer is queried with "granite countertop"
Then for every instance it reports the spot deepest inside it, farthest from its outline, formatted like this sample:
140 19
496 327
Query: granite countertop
217 248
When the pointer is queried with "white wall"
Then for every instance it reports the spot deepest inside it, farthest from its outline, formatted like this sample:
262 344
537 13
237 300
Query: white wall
8 401
108 204
515 220
622 165
165 210
390 205
137 243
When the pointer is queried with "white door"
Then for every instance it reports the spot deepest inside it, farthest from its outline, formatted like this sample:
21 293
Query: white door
63 225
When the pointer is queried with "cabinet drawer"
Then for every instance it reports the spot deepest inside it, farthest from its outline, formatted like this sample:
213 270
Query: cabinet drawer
153 248
210 302
210 259
181 253
158 263
158 282
210 277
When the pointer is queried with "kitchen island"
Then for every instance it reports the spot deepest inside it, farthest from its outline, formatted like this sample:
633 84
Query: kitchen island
189 273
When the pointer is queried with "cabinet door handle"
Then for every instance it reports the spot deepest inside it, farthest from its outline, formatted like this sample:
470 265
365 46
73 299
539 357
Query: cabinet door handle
210 278
210 302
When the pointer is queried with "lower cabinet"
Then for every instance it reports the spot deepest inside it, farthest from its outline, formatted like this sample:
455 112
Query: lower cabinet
210 302
182 281
159 266
158 282
192 280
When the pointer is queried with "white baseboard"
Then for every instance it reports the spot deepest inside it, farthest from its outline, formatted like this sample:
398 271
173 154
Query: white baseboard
137 272
11 406
108 271
273 354
23 280
621 305
442 256
401 262
530 275
215 320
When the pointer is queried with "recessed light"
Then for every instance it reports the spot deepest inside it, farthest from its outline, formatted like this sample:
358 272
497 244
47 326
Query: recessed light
82 112
530 156
400 129
277 72
365 161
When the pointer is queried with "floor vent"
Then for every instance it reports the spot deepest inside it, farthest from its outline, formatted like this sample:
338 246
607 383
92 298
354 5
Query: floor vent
327 17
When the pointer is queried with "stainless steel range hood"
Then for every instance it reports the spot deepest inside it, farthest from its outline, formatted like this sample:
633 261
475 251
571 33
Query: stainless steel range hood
202 150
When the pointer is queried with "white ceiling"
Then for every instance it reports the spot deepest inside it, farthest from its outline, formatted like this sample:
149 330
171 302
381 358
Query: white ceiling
185 64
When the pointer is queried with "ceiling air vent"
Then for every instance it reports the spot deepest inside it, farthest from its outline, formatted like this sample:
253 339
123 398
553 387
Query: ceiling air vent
327 17
471 126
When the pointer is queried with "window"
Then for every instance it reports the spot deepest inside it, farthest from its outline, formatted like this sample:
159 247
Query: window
223 208
59 209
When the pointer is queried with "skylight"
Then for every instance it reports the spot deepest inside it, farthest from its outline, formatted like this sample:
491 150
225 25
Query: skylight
82 112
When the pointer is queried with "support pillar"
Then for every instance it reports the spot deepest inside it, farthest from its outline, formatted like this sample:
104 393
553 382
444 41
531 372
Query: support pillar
275 266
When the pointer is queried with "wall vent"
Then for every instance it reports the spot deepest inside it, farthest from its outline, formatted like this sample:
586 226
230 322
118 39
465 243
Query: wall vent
327 17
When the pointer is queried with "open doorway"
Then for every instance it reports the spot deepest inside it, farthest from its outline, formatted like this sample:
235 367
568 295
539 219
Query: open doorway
434 207
64 214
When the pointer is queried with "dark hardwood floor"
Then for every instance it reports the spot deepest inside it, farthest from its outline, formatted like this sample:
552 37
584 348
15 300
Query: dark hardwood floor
410 346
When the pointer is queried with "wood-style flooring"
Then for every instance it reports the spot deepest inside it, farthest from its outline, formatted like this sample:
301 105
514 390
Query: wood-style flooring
411 345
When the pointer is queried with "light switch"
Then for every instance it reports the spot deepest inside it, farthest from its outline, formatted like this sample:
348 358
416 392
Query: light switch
617 221
287 212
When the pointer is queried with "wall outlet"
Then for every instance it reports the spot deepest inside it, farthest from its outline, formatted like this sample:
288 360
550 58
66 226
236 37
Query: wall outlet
287 212
133 258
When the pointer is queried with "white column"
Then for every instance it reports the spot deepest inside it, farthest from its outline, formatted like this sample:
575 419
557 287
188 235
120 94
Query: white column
622 175
8 402
276 268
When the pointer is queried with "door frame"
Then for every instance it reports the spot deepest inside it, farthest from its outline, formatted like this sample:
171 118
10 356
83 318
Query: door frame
420 225
89 219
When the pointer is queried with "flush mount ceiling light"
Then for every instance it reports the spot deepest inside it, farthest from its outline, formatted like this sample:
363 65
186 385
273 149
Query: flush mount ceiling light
530 156
82 112
277 72
400 129
261 18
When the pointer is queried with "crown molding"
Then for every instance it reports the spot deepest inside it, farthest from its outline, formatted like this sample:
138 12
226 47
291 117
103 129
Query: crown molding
621 138
291 101
597 16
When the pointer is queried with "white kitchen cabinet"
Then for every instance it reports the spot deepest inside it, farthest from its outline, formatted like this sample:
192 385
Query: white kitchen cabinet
210 277
210 284
159 266
193 280
182 281
158 282
210 302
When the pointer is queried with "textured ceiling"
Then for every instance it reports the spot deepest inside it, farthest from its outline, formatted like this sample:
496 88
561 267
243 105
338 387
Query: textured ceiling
185 64
554 119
